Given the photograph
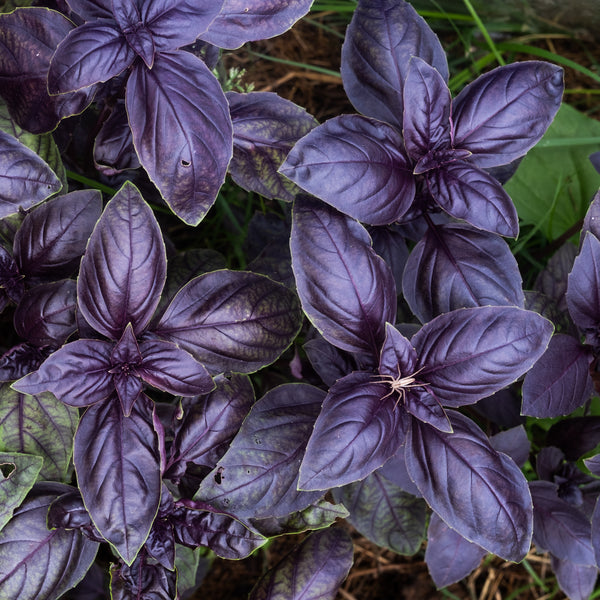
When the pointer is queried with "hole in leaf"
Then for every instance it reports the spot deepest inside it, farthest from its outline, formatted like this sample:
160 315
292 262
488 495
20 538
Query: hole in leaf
185 163
7 469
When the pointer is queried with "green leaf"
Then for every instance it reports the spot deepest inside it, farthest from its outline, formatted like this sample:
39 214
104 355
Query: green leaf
39 425
555 182
18 473
43 145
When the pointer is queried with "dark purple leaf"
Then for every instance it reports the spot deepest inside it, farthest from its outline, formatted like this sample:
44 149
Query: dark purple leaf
560 381
426 126
357 165
22 359
467 192
593 464
390 243
471 353
12 280
143 579
41 426
110 447
329 362
358 429
182 131
449 556
347 291
384 513
502 408
113 146
36 562
25 179
258 475
395 471
223 534
265 128
232 321
209 425
53 236
596 531
583 291
18 473
478 492
125 360
242 21
398 357
78 374
92 9
559 527
552 280
575 436
503 113
45 316
91 53
458 266
123 270
591 222
173 370
29 37
577 581
381 39
68 512
595 160
427 408
314 569
513 442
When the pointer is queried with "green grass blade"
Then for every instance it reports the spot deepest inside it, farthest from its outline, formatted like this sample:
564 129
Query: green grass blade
484 32
293 63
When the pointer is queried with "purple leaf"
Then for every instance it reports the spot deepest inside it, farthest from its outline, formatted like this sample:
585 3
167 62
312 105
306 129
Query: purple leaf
398 357
232 321
395 471
258 475
458 266
358 429
329 363
449 556
514 442
552 280
29 37
53 236
427 408
575 436
173 370
113 146
45 316
92 9
314 569
384 513
559 527
118 470
560 381
25 179
182 131
390 243
381 39
91 53
242 21
593 464
591 222
469 193
503 113
78 374
36 562
41 426
471 353
125 359
209 425
357 165
124 268
426 124
265 128
478 492
583 291
347 291
577 581
596 531
143 579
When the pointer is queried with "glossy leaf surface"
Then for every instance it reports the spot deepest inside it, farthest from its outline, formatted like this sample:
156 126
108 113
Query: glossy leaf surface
357 165
504 112
232 320
258 475
182 131
458 266
124 268
384 513
382 37
471 353
39 425
118 470
36 563
314 570
478 492
358 429
347 291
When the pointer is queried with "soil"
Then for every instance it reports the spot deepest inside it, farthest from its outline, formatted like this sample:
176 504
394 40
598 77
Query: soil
380 574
